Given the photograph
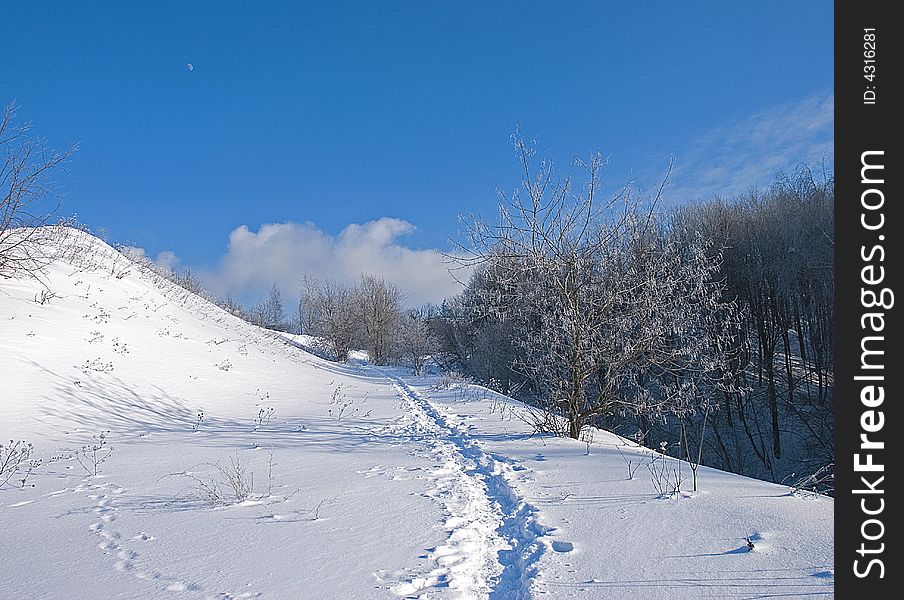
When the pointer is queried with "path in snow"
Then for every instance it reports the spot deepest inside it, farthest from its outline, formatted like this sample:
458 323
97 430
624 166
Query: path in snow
494 539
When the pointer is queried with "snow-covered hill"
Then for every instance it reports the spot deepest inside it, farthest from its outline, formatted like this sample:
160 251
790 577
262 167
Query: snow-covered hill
367 483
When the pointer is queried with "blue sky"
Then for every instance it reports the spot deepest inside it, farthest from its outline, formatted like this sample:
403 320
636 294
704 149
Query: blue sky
315 117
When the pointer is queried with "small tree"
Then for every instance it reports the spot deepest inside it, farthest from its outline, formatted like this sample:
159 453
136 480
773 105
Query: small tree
28 195
274 317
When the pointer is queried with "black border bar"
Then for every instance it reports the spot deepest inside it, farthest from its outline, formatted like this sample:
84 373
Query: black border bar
868 267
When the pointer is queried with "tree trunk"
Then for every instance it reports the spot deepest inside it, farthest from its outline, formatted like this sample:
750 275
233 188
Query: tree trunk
773 408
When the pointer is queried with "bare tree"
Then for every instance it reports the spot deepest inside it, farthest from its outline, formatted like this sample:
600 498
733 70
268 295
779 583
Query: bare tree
28 195
379 311
330 309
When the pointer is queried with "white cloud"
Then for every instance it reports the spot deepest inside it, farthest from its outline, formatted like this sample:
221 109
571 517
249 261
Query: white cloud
748 152
165 259
281 252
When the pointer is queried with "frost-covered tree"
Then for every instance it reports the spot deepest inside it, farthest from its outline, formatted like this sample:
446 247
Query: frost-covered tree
608 313
230 305
473 338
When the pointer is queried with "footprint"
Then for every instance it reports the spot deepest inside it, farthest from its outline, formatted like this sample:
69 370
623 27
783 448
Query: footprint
123 565
181 586
562 546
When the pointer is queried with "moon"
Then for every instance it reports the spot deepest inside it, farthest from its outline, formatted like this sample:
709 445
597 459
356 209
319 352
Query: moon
190 66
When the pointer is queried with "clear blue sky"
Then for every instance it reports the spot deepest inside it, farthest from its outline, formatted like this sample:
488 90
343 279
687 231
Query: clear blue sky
341 113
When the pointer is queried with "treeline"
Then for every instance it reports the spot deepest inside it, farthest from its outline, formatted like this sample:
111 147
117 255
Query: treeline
369 316
708 327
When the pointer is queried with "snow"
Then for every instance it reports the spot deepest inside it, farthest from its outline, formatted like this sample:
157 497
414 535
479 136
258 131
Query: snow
416 491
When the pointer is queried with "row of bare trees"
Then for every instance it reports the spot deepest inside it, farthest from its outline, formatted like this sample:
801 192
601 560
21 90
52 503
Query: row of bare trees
370 316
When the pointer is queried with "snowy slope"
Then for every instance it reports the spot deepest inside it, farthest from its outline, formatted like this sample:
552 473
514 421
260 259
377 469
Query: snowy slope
414 491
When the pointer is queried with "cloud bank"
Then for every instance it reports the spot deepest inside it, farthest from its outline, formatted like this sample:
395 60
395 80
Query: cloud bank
281 252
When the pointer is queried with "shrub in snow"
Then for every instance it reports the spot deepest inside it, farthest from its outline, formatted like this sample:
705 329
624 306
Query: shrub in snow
452 378
92 455
264 415
44 296
223 485
633 463
15 459
665 472
97 365
197 424
820 482
343 406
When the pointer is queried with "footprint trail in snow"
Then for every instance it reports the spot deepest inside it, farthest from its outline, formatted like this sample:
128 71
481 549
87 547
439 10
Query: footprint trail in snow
126 559
493 542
